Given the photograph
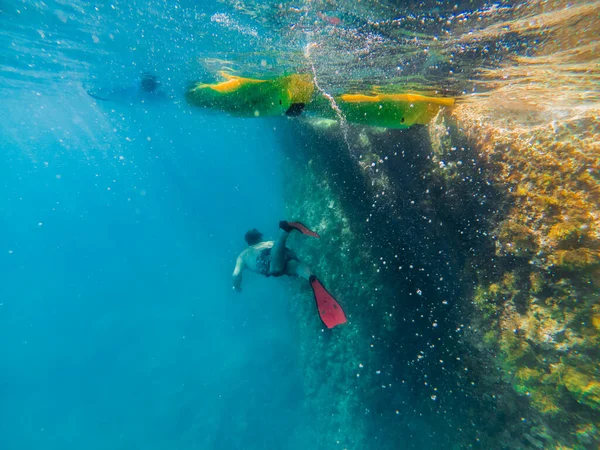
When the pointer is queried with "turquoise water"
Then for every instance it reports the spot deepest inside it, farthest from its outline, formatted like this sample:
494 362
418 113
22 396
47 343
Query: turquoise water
123 213
120 226
119 326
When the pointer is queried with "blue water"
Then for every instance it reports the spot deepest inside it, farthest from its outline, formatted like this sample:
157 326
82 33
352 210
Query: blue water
121 220
118 326
120 223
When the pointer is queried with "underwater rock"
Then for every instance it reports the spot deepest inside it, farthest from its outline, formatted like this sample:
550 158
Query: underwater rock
393 236
462 233
467 254
540 324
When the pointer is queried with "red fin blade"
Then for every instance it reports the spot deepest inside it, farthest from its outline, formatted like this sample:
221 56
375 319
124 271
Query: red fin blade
303 229
329 309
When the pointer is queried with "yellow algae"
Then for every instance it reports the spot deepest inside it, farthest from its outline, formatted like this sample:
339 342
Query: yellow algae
583 387
527 373
485 303
578 259
494 288
509 280
536 281
548 203
515 239
512 347
522 191
567 232
545 403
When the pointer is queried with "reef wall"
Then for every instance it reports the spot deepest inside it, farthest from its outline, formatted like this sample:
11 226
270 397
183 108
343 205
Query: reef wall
536 304
538 301
467 254
467 257
396 238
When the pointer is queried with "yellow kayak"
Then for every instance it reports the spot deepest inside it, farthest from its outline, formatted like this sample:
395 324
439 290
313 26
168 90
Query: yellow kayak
391 110
291 95
247 97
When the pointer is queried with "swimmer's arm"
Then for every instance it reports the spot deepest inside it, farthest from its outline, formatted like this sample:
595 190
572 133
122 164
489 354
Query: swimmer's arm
237 274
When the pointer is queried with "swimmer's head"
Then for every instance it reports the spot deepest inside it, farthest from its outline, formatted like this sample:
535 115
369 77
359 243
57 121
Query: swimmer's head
253 236
149 83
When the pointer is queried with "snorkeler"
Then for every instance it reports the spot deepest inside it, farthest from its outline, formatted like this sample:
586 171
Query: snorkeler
145 89
273 258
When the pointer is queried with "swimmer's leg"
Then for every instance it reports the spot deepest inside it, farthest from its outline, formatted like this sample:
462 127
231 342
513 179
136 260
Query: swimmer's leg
329 309
277 265
295 268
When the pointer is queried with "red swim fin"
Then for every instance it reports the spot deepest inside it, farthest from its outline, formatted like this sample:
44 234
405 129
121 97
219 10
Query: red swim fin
330 311
289 226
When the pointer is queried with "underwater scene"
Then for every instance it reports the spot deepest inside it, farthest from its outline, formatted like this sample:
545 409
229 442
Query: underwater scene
299 224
